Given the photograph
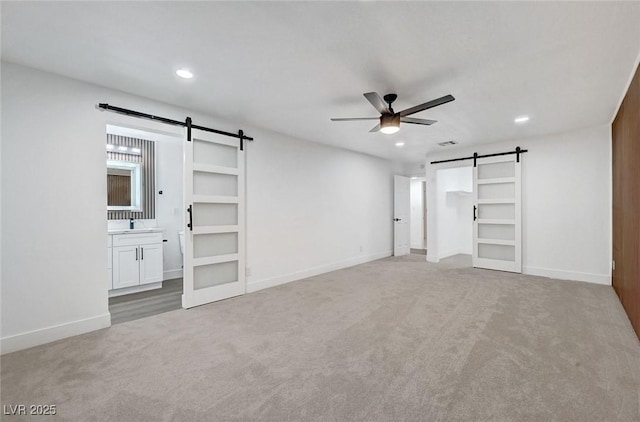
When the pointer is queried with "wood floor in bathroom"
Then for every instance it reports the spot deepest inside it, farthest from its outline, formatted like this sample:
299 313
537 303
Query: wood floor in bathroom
141 305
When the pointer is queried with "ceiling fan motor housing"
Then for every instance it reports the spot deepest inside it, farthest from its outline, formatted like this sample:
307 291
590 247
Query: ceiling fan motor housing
389 120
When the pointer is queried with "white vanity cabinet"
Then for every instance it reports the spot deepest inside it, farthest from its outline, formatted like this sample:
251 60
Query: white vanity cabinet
137 259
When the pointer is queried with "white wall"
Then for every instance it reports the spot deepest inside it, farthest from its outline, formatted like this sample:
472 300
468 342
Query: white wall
413 169
310 208
454 211
169 205
566 203
417 214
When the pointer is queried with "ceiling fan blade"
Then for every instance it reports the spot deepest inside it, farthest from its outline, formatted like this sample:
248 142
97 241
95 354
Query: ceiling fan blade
427 105
375 129
350 119
417 121
377 102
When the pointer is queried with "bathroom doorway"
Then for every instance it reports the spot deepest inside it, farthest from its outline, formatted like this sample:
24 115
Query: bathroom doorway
145 218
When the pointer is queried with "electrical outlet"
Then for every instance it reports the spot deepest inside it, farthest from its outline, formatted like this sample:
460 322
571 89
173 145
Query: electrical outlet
361 248
247 271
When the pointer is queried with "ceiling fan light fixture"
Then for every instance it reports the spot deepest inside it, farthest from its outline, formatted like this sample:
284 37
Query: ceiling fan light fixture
389 123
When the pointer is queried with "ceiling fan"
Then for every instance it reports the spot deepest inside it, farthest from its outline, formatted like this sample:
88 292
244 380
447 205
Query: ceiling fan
389 119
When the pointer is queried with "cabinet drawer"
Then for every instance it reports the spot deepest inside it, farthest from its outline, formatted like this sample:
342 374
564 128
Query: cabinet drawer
136 239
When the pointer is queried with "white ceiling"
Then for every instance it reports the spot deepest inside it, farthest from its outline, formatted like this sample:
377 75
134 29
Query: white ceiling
291 66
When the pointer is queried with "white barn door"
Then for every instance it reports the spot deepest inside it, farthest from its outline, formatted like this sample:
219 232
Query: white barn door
214 190
497 239
401 215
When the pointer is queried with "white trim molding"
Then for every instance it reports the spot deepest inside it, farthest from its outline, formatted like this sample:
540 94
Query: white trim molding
451 252
55 332
604 279
254 286
171 274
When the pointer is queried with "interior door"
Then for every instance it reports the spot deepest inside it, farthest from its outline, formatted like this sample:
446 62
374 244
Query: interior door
214 241
497 239
401 215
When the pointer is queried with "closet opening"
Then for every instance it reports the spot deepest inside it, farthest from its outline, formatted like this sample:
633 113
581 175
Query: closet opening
455 215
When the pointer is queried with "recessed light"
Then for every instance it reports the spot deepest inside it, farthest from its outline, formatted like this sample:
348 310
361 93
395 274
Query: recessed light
109 146
135 150
184 73
414 177
399 144
521 119
122 148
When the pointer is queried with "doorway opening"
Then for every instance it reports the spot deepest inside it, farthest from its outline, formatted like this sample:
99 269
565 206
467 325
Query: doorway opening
145 219
454 190
418 196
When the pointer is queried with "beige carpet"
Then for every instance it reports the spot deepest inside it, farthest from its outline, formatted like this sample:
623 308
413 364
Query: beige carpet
392 340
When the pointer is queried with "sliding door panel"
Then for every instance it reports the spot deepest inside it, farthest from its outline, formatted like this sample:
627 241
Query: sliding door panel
214 266
497 214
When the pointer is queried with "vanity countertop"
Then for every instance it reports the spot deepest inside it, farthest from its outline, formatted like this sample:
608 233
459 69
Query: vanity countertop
135 231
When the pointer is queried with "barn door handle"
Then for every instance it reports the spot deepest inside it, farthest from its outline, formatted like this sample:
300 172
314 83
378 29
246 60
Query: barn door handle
397 219
190 211
474 213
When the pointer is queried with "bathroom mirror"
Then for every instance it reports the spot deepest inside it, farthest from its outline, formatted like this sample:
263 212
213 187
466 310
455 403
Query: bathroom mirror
124 186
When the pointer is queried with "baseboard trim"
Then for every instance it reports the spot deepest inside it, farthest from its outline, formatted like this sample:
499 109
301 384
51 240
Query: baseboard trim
449 253
604 279
171 274
55 332
135 289
254 286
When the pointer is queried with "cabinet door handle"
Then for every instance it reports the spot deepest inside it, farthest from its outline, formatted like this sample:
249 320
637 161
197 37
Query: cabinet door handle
136 254
141 253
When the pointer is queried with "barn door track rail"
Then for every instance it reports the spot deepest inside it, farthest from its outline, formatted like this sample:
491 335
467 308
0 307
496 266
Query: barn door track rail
475 156
187 123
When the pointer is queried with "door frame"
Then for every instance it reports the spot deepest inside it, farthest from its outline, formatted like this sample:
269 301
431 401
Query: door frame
431 204
407 217
153 131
